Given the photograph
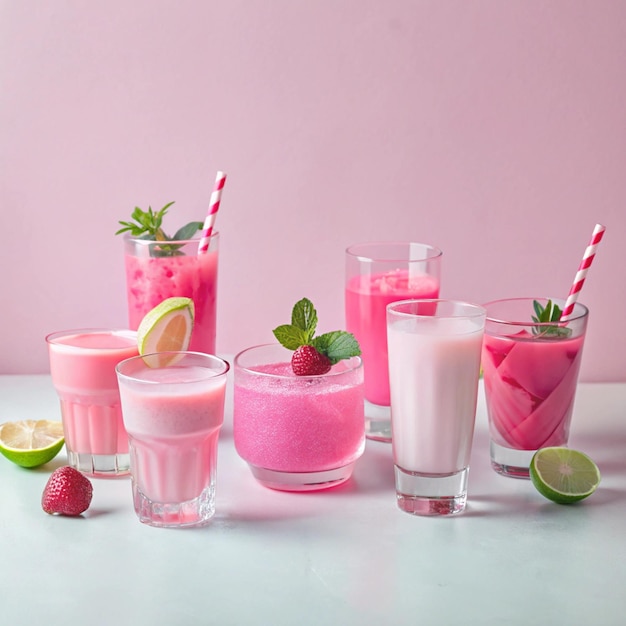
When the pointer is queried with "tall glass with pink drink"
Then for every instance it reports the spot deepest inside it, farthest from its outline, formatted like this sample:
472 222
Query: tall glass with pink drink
82 366
378 274
173 414
297 433
531 374
156 270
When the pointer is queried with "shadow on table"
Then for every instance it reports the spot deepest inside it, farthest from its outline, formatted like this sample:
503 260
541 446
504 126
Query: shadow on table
608 450
373 472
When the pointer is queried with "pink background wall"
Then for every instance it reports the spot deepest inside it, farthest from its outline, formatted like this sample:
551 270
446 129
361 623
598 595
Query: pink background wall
494 130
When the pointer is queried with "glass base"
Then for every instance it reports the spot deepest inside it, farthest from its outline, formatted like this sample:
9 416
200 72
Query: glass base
100 465
196 512
377 422
302 481
509 461
431 494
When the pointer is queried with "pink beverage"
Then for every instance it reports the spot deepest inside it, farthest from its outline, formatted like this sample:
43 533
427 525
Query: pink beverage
173 416
434 364
531 385
366 300
378 274
82 366
530 373
297 433
153 275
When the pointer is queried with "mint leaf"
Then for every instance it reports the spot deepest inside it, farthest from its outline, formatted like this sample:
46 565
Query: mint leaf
147 222
337 345
304 317
187 231
147 225
290 336
550 313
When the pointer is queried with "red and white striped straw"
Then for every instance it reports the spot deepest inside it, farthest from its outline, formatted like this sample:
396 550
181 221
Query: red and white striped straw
214 206
585 264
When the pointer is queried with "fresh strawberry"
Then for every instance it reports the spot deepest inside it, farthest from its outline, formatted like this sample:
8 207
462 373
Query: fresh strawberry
314 355
307 361
67 492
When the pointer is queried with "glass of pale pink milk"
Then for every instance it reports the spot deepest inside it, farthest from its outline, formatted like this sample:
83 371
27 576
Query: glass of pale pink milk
297 433
82 366
377 274
530 374
173 414
434 366
157 270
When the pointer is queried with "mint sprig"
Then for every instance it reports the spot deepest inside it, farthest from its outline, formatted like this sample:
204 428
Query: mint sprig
336 345
545 314
148 225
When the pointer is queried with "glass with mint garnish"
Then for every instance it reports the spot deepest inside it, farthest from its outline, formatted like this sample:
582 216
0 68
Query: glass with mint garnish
299 417
160 266
531 360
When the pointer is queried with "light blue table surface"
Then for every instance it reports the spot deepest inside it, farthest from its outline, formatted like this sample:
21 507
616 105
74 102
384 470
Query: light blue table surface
340 557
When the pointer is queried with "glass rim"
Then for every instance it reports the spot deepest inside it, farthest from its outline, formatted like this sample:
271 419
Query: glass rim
147 242
479 309
52 338
529 322
351 250
216 374
353 368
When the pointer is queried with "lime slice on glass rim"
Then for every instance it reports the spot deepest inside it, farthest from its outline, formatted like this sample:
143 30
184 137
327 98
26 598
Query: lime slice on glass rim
30 443
166 328
564 475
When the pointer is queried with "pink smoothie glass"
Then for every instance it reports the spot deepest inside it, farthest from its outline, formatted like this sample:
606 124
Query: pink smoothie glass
82 366
378 274
173 414
156 270
297 433
531 374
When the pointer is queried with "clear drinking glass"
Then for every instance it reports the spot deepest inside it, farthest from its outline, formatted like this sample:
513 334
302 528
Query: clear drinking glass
173 414
82 366
156 270
297 433
376 275
530 373
434 365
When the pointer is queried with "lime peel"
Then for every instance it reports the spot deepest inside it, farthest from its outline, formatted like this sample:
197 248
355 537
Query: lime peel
563 475
31 443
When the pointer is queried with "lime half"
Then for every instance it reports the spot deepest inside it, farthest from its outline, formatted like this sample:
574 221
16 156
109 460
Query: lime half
166 328
563 475
31 443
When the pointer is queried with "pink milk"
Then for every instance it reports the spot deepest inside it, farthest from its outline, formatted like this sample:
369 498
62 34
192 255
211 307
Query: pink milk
152 279
82 365
367 297
434 393
298 424
174 431
531 385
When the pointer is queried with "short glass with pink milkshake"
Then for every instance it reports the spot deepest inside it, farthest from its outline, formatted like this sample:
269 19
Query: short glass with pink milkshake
378 274
434 365
530 374
297 433
82 366
156 270
173 413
